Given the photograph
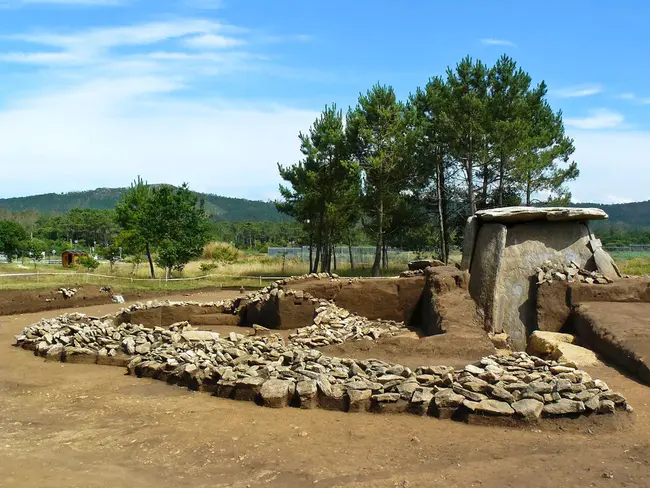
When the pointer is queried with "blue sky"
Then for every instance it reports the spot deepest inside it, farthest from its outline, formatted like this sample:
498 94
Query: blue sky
95 92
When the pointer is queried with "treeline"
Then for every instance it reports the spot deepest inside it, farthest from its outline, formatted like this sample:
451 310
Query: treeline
410 172
110 234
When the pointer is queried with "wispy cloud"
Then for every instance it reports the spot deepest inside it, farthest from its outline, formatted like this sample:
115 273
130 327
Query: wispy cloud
579 91
212 41
597 119
490 41
634 98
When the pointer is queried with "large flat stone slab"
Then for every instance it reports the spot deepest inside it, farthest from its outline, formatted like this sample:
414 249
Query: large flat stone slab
620 332
528 246
508 215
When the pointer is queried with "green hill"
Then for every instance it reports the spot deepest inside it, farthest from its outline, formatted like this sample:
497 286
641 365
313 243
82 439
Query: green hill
635 215
222 208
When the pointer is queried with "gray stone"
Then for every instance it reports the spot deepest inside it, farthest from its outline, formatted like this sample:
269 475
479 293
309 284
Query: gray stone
335 400
275 393
528 246
527 214
307 394
606 406
485 271
470 395
494 407
528 408
564 407
501 393
359 400
248 389
605 264
54 353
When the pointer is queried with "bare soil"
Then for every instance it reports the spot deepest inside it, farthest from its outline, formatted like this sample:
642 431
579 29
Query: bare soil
77 425
619 331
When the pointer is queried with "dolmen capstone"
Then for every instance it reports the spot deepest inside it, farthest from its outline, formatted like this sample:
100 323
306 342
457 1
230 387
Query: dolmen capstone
504 246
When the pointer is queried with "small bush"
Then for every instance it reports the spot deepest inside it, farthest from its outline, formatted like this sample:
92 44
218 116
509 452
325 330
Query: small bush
221 252
88 262
206 267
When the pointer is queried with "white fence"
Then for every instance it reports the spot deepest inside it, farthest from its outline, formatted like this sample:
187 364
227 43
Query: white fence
88 277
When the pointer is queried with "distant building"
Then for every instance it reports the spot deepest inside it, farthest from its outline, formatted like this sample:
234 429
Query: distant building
69 257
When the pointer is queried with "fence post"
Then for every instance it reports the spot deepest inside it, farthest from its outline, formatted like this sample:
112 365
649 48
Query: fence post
260 282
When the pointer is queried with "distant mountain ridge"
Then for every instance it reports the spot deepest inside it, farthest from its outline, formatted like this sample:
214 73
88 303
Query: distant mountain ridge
634 214
222 208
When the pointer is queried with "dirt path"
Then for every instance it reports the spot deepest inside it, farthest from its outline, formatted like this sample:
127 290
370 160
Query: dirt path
90 426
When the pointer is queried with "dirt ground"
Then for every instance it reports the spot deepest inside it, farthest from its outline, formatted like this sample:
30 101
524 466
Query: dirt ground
77 425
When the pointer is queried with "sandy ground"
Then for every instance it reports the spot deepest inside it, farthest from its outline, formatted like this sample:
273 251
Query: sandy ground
92 426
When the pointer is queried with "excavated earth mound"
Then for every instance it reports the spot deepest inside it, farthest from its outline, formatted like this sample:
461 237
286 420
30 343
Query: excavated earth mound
619 332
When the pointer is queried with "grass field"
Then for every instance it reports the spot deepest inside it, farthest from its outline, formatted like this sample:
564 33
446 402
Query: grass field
250 271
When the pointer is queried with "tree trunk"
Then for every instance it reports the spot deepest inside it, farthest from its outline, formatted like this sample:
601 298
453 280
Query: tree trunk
334 256
380 240
385 256
528 191
169 272
316 259
470 187
350 251
440 188
311 254
151 268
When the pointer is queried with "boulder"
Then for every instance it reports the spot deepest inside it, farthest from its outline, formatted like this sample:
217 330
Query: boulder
424 263
275 393
307 394
605 264
494 407
564 406
359 400
528 409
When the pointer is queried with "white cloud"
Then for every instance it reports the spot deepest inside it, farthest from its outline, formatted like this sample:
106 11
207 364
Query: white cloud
103 133
578 91
613 166
497 42
626 96
101 113
597 119
212 41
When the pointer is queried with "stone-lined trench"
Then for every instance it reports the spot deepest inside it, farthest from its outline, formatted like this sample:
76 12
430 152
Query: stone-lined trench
275 373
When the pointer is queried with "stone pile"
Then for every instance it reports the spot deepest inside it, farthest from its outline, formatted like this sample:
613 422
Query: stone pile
411 273
572 272
67 292
75 334
310 276
335 325
274 373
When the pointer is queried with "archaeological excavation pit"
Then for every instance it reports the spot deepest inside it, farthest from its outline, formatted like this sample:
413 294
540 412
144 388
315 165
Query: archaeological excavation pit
256 364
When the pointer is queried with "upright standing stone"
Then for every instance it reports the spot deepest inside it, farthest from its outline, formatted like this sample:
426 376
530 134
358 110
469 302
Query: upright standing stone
485 270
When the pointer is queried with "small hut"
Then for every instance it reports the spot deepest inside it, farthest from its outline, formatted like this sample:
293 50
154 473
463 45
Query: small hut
69 257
